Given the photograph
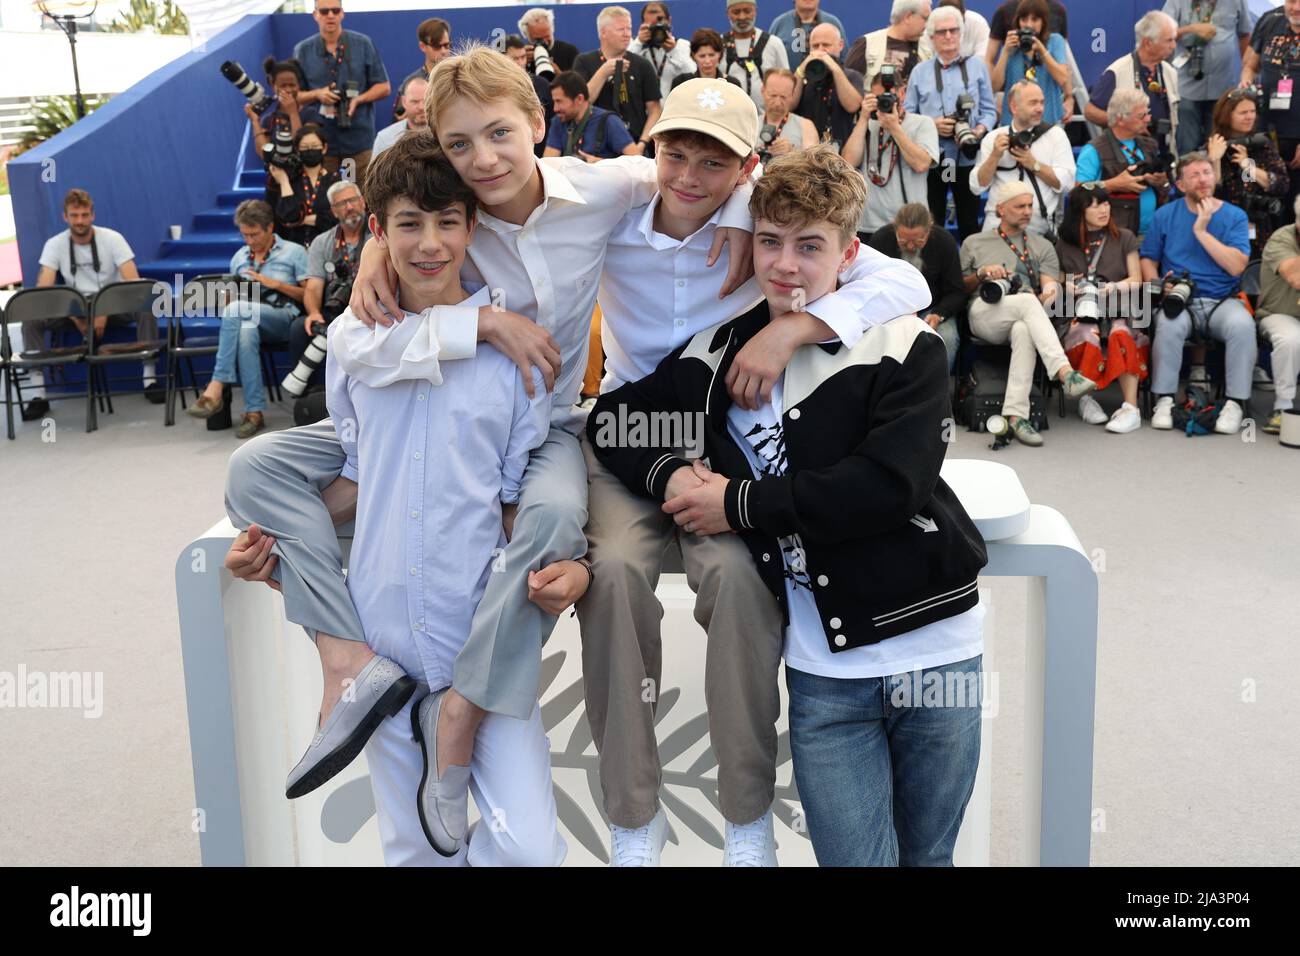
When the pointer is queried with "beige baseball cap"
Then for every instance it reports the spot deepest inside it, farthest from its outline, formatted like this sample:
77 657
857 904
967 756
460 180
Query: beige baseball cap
715 108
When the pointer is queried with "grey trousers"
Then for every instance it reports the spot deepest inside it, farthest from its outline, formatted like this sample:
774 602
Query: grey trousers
622 654
1228 322
275 481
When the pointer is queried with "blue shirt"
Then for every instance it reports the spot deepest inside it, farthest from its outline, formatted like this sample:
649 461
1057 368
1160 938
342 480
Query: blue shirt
1054 99
361 65
787 28
434 464
1087 169
923 97
1171 243
617 138
1220 57
286 262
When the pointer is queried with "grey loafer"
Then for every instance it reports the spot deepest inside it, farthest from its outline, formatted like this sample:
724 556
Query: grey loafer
443 801
380 690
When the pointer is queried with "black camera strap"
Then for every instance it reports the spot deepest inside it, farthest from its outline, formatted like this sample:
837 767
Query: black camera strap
94 255
938 77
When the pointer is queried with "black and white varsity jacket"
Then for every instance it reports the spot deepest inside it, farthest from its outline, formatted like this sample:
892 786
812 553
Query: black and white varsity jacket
888 546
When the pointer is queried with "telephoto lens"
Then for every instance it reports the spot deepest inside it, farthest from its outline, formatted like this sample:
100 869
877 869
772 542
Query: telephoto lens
295 383
1178 295
992 290
1087 300
814 71
543 65
257 96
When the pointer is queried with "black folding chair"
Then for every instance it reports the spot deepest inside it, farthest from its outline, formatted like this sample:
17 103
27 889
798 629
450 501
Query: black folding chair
51 302
130 297
214 291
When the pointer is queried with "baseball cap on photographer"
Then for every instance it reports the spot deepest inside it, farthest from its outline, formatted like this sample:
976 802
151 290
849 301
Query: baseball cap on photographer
715 108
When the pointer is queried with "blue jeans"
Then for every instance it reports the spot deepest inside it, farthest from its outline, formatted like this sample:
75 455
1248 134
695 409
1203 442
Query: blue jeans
244 326
884 769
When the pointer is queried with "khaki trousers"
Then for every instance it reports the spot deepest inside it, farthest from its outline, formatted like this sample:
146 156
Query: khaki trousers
1021 320
622 654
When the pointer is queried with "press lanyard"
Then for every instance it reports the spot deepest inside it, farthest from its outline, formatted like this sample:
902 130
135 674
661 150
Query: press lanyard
575 134
336 61
1024 258
1096 255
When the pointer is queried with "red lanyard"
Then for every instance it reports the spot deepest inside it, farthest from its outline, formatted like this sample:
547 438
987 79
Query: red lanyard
1030 268
340 54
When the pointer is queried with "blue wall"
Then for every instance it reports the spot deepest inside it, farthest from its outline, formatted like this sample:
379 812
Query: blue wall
161 151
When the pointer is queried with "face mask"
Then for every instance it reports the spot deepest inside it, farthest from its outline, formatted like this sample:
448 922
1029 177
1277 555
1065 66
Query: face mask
311 157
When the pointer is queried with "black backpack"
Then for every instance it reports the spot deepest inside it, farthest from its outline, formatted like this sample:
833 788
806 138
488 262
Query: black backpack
983 392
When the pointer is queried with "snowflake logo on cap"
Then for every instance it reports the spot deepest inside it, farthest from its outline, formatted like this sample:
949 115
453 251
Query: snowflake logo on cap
710 100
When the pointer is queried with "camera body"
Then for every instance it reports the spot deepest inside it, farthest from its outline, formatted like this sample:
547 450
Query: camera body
1261 205
1251 141
1024 138
1025 37
280 152
766 137
967 141
992 290
888 100
253 91
1175 293
658 34
349 92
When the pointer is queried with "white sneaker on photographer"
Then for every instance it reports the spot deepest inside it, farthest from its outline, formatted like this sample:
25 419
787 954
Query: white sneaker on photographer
1163 415
751 844
1229 421
1090 411
1126 419
639 846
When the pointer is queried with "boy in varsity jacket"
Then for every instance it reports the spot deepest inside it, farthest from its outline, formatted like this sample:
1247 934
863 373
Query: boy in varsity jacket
833 483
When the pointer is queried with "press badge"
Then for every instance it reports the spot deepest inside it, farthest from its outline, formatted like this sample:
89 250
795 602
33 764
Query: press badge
1282 98
1180 60
1252 232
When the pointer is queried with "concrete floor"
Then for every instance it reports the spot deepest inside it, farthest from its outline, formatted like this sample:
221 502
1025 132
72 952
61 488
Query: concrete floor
1197 755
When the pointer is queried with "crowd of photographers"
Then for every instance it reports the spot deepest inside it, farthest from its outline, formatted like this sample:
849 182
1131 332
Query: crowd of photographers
1160 183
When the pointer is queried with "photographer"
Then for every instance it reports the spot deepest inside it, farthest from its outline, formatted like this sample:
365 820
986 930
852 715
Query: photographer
298 190
1278 313
827 93
1002 23
1033 52
1102 273
1015 275
538 28
1122 158
1273 62
1144 69
748 52
1039 155
902 43
1254 176
414 116
277 269
793 28
918 240
331 259
706 52
346 77
582 130
1212 34
620 81
782 131
286 81
937 90
895 152
669 56
434 38
1209 240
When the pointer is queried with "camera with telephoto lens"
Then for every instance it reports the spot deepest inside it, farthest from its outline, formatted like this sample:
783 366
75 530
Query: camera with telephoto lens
814 71
992 290
886 102
658 34
1087 299
543 65
256 94
349 92
1196 60
280 152
1251 141
1175 293
1024 138
296 382
1262 205
967 141
766 137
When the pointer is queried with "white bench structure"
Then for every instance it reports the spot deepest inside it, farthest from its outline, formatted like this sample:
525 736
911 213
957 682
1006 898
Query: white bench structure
253 688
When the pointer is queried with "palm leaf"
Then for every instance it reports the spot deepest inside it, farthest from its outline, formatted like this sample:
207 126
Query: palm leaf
551 667
684 738
693 820
347 809
576 822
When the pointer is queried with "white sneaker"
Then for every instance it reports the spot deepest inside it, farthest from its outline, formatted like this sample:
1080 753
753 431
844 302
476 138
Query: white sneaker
1090 411
1229 422
641 846
1198 376
751 844
1163 415
1126 419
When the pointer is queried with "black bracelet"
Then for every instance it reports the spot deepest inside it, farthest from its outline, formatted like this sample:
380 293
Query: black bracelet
586 563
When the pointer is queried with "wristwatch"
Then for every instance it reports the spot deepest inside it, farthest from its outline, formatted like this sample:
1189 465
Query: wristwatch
1037 166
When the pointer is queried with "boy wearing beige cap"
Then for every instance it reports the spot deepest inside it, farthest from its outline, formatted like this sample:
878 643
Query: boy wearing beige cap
656 292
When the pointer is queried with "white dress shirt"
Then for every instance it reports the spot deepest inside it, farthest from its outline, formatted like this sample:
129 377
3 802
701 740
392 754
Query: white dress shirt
433 466
1050 149
656 293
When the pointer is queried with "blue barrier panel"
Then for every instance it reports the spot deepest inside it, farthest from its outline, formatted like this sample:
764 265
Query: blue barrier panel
160 153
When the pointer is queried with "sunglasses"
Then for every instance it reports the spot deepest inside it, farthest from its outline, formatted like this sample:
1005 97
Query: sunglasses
946 31
329 11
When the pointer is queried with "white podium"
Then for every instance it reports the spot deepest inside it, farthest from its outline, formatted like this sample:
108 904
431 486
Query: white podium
253 688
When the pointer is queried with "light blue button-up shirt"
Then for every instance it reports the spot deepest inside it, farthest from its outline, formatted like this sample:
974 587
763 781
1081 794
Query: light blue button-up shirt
287 262
433 466
923 97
